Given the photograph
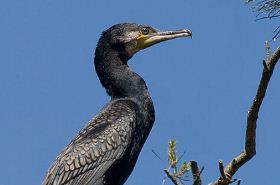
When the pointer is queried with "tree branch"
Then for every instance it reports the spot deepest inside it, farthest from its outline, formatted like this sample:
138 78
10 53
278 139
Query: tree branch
172 178
252 116
196 173
250 144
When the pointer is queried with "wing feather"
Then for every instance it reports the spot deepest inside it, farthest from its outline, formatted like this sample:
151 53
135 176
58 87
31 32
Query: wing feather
98 145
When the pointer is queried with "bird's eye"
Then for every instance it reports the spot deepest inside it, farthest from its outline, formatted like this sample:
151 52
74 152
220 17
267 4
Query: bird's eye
145 31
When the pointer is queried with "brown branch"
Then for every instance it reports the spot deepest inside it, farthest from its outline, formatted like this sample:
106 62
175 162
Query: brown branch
196 173
224 179
252 116
172 177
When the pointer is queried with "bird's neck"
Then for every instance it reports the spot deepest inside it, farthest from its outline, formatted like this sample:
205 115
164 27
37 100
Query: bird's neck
116 77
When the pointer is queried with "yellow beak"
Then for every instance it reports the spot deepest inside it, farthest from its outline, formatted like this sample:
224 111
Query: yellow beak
144 41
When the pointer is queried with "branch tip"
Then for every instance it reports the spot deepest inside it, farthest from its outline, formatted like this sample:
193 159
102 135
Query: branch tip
196 173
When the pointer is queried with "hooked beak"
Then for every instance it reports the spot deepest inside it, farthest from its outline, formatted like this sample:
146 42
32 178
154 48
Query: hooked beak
144 41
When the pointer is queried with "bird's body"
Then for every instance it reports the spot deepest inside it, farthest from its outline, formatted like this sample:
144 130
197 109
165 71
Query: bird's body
106 149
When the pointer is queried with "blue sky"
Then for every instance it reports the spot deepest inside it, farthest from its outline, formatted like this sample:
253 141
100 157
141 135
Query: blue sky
201 87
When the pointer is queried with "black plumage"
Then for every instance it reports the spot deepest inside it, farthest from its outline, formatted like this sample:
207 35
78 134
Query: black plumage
106 149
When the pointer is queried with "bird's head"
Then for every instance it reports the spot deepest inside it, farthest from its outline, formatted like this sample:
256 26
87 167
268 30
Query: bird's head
129 38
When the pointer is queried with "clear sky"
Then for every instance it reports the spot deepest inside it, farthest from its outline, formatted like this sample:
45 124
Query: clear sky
201 87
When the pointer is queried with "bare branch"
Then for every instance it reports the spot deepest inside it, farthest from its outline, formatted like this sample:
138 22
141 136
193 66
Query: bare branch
252 116
172 177
249 151
225 178
196 173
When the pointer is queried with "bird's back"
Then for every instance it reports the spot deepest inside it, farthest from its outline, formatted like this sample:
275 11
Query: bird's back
98 147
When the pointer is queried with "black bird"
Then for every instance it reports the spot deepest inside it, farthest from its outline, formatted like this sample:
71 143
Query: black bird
105 151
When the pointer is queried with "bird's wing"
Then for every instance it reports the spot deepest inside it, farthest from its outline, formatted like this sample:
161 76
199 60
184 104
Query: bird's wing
98 145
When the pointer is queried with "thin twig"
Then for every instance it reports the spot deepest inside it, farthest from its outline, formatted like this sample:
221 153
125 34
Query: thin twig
267 17
267 9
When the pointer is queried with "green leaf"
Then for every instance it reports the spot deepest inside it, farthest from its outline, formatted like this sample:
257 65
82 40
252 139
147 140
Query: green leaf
172 158
185 167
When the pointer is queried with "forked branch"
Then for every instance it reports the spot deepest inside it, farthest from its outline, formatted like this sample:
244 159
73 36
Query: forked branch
226 173
252 116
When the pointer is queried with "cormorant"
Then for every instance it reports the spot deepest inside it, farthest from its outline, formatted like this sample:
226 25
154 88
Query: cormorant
105 151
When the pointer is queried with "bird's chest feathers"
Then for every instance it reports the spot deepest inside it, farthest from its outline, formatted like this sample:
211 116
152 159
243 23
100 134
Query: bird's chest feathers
145 120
